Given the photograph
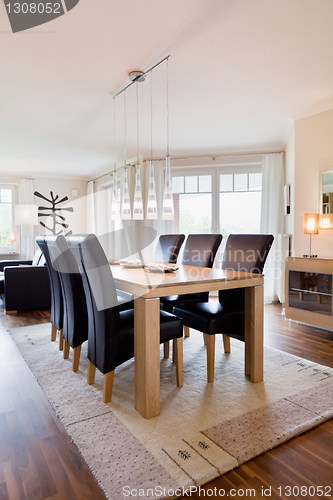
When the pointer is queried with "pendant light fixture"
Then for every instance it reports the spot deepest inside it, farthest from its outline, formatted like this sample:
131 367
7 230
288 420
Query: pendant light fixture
167 210
137 205
151 202
126 204
115 208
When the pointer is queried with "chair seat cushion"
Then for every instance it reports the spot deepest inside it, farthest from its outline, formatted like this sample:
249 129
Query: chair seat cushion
170 326
212 318
171 301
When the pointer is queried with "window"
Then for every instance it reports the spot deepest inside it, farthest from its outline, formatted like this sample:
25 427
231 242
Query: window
192 198
223 200
240 203
8 196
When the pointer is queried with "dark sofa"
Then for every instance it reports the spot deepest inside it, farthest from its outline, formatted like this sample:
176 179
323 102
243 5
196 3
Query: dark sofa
25 284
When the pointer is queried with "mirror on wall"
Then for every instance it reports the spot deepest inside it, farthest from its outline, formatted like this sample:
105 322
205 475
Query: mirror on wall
325 191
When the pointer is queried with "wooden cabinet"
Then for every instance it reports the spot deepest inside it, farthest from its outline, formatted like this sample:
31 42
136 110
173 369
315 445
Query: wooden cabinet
308 291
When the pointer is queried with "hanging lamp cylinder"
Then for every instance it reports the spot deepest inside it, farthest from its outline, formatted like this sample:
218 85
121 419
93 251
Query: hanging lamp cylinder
151 202
168 210
138 204
126 204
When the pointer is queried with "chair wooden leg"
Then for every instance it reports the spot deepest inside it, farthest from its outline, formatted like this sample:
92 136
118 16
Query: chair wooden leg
178 343
91 373
205 338
53 333
66 349
76 358
226 344
107 386
166 349
186 331
174 351
210 357
61 341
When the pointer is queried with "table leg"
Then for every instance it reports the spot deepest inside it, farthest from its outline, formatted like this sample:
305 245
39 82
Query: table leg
147 356
254 333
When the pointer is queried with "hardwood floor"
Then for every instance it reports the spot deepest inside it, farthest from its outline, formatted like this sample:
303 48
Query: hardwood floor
38 460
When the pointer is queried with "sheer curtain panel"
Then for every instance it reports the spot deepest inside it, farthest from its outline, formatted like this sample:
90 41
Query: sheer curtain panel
91 219
26 197
272 217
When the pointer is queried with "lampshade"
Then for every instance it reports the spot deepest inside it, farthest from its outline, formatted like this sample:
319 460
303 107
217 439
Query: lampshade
326 221
12 236
167 210
151 203
137 205
310 224
26 215
126 204
115 208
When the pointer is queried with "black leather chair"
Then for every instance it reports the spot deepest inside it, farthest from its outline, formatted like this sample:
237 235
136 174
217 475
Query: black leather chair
75 315
243 253
200 250
25 284
167 248
110 332
57 309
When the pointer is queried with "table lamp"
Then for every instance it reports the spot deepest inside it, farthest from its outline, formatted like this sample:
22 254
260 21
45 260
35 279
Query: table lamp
26 216
310 227
12 236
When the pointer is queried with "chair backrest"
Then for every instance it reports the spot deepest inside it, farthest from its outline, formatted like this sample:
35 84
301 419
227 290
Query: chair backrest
57 310
101 299
247 252
243 253
167 248
75 323
200 249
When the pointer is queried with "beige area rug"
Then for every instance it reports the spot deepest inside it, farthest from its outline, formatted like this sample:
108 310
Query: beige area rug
204 430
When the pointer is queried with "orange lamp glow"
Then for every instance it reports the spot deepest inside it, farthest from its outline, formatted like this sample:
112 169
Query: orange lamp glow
310 224
326 221
12 236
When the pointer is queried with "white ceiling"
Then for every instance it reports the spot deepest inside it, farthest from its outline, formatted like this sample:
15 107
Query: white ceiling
239 71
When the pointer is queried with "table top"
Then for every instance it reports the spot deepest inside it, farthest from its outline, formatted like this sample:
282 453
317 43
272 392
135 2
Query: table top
188 279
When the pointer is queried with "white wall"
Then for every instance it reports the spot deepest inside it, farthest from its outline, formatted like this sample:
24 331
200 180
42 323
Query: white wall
290 179
311 144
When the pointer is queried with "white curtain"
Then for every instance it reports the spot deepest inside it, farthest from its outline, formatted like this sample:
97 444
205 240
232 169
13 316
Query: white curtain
26 197
161 226
91 219
272 217
114 240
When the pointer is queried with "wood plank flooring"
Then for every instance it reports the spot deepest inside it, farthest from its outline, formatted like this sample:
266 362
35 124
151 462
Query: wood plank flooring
38 461
37 458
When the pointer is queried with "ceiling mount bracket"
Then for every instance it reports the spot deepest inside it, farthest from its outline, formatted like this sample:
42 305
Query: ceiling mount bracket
137 76
140 76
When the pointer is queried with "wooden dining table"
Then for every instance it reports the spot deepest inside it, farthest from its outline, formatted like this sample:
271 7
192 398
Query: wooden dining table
148 287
